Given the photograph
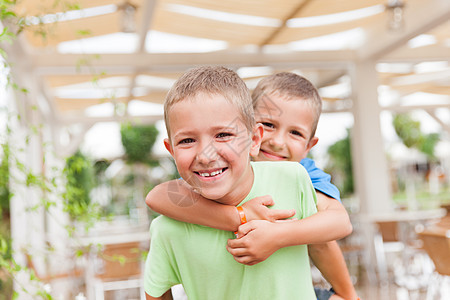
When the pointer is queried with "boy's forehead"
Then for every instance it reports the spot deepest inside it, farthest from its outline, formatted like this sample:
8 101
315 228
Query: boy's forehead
225 113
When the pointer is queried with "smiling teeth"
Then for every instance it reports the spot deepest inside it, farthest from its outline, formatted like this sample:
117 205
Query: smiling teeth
211 174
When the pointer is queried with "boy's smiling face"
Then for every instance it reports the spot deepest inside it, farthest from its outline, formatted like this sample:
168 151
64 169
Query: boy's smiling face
211 147
287 128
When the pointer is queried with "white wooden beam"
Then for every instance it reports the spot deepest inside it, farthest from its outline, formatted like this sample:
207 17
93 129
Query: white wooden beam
82 119
444 125
147 17
127 63
437 76
417 55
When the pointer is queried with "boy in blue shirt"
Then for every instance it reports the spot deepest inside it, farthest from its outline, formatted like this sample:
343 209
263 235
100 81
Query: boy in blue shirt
312 229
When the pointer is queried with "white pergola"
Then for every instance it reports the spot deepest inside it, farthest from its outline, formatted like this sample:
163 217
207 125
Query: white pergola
274 34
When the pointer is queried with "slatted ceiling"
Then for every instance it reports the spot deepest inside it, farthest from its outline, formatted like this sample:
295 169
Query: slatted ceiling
326 7
329 99
435 89
39 7
262 8
232 33
441 33
289 34
153 97
168 75
430 88
409 89
69 30
386 78
66 105
63 80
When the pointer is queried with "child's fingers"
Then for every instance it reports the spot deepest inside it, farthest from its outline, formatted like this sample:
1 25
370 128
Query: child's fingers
288 220
237 251
280 214
246 260
266 200
244 229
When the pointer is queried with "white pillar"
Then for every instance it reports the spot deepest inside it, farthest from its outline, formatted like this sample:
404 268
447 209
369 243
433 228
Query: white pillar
371 173
27 216
370 170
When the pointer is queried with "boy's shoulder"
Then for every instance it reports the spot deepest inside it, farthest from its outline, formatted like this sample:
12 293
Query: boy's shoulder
278 167
164 224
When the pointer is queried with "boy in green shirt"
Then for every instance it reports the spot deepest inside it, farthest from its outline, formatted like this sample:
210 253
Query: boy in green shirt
288 106
211 135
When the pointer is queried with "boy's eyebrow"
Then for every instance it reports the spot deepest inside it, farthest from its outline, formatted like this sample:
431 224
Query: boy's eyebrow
182 133
230 127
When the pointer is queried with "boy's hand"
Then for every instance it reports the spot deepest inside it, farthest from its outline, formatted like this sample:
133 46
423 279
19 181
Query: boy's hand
257 242
256 209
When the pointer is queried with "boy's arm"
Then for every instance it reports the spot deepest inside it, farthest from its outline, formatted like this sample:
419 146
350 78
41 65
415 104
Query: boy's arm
166 296
178 201
257 240
328 258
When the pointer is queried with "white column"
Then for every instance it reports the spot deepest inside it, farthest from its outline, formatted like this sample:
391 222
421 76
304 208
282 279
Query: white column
27 221
371 175
370 170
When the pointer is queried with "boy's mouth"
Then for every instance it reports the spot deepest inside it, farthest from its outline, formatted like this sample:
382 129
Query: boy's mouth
210 173
272 156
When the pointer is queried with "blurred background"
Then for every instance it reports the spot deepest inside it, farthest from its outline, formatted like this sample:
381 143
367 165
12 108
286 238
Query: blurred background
81 90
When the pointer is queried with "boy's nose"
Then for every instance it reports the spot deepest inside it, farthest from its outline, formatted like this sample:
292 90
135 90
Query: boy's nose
277 141
207 154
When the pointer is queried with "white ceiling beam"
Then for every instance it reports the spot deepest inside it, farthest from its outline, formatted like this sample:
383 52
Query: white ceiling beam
420 17
147 17
432 113
82 119
66 63
417 55
438 76
406 108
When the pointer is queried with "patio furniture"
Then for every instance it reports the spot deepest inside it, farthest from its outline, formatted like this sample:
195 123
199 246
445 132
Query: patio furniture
436 242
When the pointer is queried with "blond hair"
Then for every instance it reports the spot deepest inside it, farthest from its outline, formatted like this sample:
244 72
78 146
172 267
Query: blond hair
212 80
290 86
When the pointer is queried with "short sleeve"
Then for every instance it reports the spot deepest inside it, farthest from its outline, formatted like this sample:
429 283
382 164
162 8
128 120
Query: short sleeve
307 194
320 180
159 272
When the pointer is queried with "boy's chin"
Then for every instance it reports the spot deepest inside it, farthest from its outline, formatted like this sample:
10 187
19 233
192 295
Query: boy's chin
256 158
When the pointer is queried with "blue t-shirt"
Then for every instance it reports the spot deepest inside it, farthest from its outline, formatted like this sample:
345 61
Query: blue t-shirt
320 180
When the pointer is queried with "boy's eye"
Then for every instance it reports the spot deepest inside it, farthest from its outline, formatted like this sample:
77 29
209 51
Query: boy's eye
267 124
295 132
186 141
224 135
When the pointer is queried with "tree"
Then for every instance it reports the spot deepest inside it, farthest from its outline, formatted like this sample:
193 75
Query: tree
408 130
340 165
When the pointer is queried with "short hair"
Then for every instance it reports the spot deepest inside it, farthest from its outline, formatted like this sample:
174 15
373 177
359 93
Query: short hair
290 86
212 80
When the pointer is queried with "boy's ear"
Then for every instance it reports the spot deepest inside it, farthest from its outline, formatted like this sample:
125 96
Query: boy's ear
312 142
168 146
256 139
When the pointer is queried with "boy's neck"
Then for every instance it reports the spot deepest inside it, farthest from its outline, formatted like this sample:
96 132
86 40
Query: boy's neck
242 191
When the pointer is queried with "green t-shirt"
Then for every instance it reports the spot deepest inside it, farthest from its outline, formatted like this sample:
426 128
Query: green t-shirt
196 255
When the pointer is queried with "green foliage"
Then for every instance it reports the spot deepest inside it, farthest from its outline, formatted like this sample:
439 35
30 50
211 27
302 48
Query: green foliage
138 141
5 192
408 130
340 165
428 145
79 175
